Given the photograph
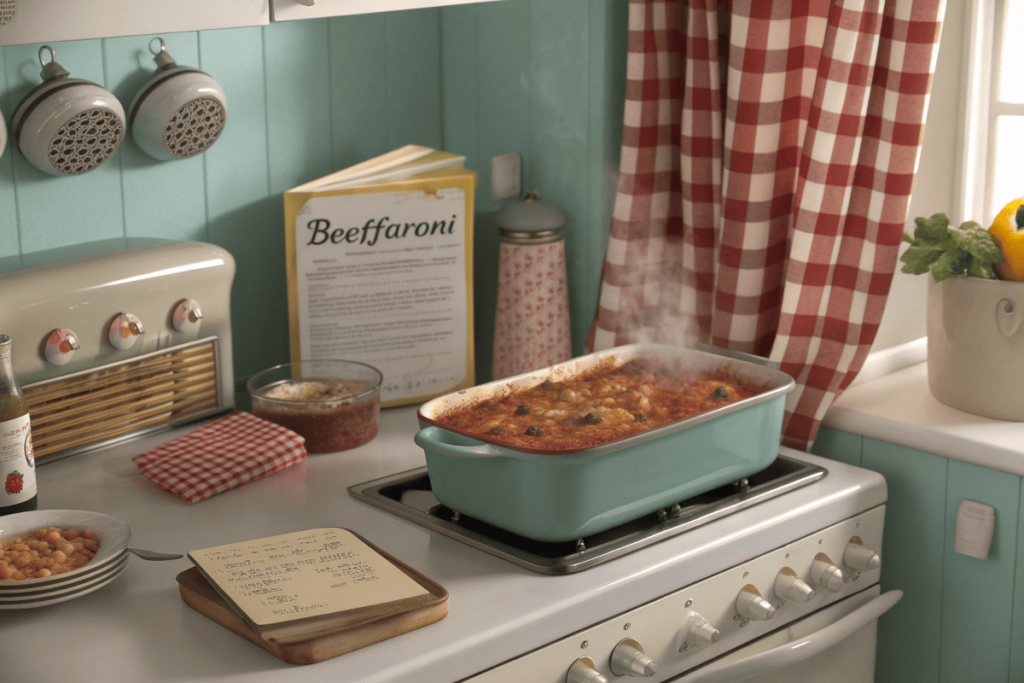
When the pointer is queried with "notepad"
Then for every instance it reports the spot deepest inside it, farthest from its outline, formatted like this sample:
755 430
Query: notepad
295 586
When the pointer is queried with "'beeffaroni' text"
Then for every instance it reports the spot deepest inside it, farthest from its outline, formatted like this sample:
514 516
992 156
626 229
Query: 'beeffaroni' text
322 233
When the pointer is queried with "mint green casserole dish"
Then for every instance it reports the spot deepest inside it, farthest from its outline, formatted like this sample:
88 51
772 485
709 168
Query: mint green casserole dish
562 496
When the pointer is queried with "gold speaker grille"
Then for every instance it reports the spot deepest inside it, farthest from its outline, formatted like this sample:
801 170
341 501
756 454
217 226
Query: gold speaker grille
98 405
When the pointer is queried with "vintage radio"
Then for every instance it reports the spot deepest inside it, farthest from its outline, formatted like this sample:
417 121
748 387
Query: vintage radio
118 338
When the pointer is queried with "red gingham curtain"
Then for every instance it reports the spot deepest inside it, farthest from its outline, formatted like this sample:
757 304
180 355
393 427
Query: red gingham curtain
768 154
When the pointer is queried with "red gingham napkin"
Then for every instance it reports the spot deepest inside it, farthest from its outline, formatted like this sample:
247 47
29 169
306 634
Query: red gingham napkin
230 452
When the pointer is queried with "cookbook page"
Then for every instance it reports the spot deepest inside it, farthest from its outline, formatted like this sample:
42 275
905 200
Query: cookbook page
303 574
384 278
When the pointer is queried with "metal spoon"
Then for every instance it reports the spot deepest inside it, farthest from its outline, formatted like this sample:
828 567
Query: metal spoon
154 556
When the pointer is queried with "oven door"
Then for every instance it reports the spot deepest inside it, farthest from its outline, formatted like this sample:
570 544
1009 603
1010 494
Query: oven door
835 644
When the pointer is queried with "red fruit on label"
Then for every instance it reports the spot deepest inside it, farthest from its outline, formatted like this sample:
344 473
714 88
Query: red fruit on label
14 483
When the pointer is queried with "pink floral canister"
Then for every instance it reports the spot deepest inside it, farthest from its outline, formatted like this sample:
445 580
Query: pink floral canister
531 329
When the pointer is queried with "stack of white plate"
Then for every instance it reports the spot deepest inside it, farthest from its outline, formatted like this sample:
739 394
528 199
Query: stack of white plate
110 560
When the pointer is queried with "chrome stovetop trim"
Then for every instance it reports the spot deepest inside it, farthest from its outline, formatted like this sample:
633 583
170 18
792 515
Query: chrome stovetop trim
407 494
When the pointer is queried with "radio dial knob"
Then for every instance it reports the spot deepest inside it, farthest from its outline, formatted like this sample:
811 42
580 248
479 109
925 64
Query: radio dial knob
584 671
859 558
789 587
60 346
825 573
698 632
187 316
629 659
124 331
750 605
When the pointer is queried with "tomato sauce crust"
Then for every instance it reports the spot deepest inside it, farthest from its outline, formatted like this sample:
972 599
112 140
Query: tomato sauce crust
599 406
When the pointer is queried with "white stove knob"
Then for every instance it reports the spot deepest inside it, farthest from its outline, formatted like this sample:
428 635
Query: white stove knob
584 671
124 330
61 345
826 574
859 558
750 605
699 632
187 316
789 587
629 659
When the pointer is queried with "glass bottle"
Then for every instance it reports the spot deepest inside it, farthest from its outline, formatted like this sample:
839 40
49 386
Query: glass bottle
17 463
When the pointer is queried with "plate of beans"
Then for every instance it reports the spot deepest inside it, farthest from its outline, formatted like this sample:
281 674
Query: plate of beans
46 553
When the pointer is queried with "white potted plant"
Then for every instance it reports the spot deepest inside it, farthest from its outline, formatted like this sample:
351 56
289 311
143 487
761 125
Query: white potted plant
975 310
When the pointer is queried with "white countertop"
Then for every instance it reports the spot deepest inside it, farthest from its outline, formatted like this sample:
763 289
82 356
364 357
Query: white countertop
138 628
899 408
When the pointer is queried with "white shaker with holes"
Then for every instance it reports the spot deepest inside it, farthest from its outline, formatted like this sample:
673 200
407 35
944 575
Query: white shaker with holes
179 113
531 329
67 126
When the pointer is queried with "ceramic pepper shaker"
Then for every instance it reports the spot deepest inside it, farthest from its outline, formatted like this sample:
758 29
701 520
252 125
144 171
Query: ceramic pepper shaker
531 329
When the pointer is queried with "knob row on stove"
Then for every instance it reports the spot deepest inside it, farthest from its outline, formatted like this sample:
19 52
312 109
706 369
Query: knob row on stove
629 659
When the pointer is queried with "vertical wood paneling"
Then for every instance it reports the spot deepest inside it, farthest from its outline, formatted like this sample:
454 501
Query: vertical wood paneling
298 103
413 77
608 43
66 210
560 131
1017 625
913 548
9 239
837 445
359 92
163 199
307 98
977 597
243 216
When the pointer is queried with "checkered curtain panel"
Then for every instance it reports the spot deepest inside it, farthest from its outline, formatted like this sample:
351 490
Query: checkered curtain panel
768 154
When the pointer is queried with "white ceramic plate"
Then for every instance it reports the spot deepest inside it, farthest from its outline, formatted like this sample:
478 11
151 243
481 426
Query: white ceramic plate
112 569
31 590
87 587
113 535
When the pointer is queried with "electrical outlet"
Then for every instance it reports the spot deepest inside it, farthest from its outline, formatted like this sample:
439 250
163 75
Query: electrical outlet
506 176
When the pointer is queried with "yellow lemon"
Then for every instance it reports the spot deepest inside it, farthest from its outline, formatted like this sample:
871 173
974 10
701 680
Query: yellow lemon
1008 232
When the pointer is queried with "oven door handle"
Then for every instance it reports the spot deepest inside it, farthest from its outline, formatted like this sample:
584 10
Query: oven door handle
798 650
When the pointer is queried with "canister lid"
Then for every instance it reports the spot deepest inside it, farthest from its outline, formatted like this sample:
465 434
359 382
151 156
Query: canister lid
530 215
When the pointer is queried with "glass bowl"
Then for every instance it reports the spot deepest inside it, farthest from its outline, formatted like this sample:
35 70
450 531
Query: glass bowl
333 404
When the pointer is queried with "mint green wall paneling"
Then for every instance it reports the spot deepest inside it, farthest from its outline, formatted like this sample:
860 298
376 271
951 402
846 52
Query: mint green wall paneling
459 85
560 132
837 445
161 198
298 103
976 600
486 102
414 77
460 94
60 211
243 217
359 92
504 89
913 548
9 238
609 23
1017 625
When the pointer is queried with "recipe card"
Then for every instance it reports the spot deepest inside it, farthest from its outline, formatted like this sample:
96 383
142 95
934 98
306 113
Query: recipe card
306 574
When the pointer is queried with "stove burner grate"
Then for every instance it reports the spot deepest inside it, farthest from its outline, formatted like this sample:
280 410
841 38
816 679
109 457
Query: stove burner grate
408 494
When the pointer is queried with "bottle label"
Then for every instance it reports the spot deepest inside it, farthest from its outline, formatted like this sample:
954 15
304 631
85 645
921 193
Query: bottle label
17 462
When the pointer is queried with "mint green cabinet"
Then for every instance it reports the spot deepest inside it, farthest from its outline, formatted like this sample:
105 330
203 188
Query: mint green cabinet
961 619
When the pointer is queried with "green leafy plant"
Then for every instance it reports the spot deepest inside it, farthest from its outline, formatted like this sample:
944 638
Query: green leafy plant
948 252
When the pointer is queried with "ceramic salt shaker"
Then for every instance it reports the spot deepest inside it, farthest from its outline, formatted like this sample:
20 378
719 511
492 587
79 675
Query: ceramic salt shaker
531 328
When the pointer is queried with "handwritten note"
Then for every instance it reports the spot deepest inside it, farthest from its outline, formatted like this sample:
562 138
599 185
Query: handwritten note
303 574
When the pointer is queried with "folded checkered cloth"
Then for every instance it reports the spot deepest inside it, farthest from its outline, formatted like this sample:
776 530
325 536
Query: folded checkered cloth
232 451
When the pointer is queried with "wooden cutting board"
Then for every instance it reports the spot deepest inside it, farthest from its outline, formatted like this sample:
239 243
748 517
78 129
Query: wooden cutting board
198 594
